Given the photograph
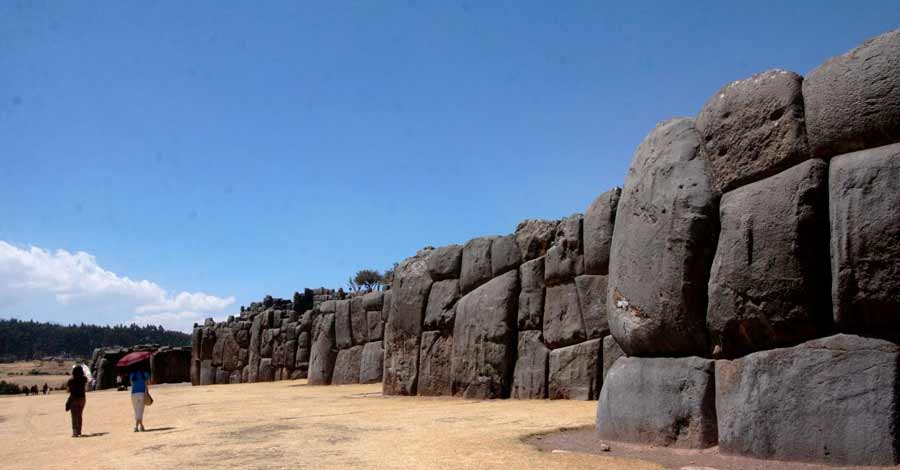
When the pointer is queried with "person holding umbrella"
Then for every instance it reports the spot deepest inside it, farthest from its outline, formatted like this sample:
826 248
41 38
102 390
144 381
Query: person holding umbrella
137 364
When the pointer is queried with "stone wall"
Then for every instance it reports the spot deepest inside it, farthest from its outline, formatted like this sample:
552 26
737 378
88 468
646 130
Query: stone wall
754 275
167 365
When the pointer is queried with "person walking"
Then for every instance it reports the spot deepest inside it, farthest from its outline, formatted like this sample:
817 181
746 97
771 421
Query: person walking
76 401
140 391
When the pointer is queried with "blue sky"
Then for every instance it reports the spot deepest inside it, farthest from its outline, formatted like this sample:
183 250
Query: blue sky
220 151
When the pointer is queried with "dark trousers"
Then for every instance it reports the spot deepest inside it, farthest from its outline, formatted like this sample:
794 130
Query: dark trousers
77 408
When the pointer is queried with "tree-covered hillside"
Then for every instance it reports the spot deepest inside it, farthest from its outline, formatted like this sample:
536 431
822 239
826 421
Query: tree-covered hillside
23 340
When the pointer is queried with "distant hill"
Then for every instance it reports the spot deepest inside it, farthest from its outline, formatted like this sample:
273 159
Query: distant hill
25 340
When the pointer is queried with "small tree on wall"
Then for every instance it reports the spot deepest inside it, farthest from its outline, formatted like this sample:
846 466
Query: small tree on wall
368 279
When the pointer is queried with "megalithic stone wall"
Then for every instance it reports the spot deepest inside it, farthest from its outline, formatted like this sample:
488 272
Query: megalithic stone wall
755 270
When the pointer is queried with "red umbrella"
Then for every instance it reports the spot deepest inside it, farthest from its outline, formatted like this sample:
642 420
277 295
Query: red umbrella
134 358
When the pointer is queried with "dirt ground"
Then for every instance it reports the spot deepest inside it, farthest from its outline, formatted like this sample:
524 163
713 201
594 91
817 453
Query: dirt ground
292 425
51 373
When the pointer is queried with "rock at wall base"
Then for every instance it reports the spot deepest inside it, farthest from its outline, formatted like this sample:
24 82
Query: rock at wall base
611 353
435 364
372 363
346 367
575 371
530 375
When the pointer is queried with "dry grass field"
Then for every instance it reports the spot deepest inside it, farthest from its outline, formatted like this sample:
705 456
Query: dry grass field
293 426
51 373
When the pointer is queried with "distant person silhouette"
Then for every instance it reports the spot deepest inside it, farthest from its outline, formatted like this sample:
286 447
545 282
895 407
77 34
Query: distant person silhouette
76 386
34 390
46 388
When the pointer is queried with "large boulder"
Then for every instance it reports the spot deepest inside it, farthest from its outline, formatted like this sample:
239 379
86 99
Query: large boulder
754 128
359 329
207 372
403 330
342 326
592 290
864 192
207 343
853 100
611 353
599 221
255 344
565 259
534 237
196 339
324 351
328 306
434 364
661 401
663 245
769 281
219 346
505 255
223 377
373 301
372 363
266 370
530 374
441 309
575 372
563 322
476 264
375 324
230 350
347 366
290 354
831 400
531 297
444 262
484 339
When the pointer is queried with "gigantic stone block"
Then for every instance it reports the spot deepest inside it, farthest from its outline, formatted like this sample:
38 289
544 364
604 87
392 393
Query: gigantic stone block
476 264
219 347
531 297
386 310
376 326
373 301
328 306
611 353
565 259
359 327
663 245
346 367
484 338
435 372
505 255
599 221
563 323
196 339
342 326
410 289
831 400
441 309
444 262
266 370
372 363
769 283
255 343
754 128
207 343
592 291
575 372
865 241
530 374
223 377
207 372
853 100
324 351
535 237
230 350
290 354
660 401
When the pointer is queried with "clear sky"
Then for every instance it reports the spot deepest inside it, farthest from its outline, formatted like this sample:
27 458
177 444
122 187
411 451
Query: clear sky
162 161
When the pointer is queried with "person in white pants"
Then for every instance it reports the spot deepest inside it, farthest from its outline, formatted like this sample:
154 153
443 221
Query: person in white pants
139 390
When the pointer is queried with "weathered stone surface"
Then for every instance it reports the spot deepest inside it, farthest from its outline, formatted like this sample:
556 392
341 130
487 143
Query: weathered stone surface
267 343
530 375
484 338
409 297
290 331
376 326
611 353
865 241
853 100
575 372
207 343
324 351
234 377
328 306
207 372
660 401
230 350
505 255
754 128
831 400
535 237
565 259
563 323
266 370
195 372
196 339
342 326
255 342
599 221
358 322
476 264
663 245
531 297
222 376
372 363
592 291
441 309
245 374
373 301
769 284
444 262
219 347
290 354
435 372
346 367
